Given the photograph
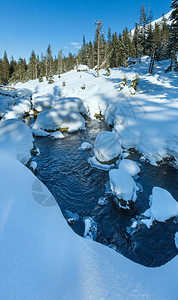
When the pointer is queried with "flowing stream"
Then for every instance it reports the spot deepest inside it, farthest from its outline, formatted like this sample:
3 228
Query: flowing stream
76 186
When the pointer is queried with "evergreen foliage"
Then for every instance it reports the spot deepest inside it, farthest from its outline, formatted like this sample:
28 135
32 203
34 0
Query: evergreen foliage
159 42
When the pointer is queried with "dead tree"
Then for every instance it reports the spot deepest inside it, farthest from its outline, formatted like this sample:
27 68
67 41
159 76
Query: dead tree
99 25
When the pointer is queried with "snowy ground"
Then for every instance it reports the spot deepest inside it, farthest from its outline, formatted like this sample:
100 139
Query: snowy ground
42 258
146 121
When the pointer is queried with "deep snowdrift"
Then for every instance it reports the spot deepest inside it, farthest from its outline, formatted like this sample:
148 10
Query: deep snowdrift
42 258
16 139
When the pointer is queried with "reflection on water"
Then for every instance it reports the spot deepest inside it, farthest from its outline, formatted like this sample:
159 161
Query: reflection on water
63 168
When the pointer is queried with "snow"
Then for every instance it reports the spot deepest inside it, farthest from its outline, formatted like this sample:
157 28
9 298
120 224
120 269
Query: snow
39 132
162 205
146 121
96 164
107 146
16 139
22 106
82 68
65 115
176 239
33 165
43 101
129 166
23 92
122 185
57 135
42 258
85 146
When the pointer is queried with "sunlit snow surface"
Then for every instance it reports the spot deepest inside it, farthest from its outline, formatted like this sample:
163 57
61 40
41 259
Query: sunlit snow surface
146 121
42 258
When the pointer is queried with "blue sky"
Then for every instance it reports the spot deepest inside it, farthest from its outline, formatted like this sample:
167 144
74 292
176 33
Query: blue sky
27 25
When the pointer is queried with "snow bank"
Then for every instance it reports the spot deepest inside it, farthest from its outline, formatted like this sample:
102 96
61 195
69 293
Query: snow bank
107 146
162 205
44 101
42 258
22 106
122 185
16 139
96 164
129 166
23 92
80 68
65 115
85 146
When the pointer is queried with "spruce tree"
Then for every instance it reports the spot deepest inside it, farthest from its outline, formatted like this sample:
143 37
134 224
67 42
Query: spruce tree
173 44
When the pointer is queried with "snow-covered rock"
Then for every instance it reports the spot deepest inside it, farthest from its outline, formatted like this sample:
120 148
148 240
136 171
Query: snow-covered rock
57 135
162 205
22 106
16 139
80 68
42 258
122 185
107 146
96 164
85 146
129 166
24 92
39 132
65 115
44 101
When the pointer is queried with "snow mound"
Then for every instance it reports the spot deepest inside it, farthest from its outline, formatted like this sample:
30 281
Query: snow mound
22 106
65 115
44 102
96 164
122 185
24 93
16 139
162 205
85 146
129 166
80 68
107 146
39 132
57 135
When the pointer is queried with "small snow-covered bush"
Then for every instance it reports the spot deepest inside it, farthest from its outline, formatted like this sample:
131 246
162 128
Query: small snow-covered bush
134 82
123 83
108 72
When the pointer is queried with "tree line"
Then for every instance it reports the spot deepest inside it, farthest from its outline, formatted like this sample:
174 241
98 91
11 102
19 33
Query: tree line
159 41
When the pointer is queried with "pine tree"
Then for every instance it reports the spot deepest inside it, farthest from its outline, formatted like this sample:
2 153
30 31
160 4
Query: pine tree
5 69
143 23
32 67
173 44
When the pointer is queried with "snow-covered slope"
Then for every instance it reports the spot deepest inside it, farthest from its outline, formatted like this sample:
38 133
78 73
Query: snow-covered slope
159 20
146 121
42 258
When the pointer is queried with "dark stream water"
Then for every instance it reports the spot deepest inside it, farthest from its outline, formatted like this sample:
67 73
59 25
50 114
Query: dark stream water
64 169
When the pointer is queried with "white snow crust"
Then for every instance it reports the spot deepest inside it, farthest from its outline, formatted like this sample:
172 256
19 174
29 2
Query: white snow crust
42 258
129 166
107 146
16 139
162 205
122 185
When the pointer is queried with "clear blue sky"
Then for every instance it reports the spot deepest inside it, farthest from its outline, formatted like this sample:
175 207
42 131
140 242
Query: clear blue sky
33 24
